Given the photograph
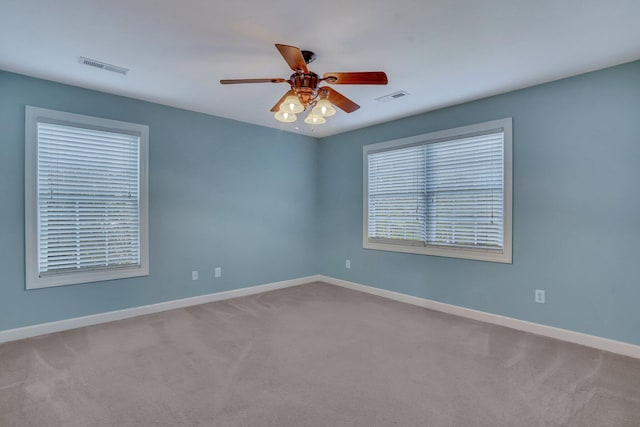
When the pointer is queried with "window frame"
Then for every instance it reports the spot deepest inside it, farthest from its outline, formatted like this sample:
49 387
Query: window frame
503 255
33 115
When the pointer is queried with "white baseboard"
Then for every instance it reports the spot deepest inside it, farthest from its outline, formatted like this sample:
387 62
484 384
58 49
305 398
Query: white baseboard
110 316
599 343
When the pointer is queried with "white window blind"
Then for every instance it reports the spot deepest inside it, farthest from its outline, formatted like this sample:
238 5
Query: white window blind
445 191
397 198
88 199
464 191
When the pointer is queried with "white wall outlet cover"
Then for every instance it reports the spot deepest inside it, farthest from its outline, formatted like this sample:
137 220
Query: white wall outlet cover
348 263
194 275
540 296
218 272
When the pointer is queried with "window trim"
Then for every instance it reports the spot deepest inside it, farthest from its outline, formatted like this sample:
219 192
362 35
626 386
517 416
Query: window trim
480 254
33 279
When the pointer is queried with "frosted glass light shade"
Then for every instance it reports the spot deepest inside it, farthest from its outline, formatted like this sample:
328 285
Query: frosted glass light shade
314 119
291 104
324 108
285 117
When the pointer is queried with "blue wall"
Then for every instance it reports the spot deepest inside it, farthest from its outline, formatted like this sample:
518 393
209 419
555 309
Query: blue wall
268 206
221 193
576 223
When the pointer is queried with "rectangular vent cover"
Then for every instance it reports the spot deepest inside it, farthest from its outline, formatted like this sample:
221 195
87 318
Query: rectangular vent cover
103 65
392 96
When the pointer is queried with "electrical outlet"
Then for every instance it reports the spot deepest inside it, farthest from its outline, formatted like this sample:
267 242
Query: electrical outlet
218 271
540 296
194 275
347 264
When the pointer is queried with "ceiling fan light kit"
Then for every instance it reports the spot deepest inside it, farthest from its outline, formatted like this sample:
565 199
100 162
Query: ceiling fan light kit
324 108
305 92
292 104
313 119
285 117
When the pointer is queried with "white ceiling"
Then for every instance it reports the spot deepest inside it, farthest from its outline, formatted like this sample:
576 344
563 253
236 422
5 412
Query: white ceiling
442 52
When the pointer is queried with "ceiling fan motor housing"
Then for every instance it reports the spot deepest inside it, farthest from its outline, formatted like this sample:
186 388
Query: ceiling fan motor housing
304 80
304 85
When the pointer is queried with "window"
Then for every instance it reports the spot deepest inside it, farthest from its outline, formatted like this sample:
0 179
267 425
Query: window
86 199
445 193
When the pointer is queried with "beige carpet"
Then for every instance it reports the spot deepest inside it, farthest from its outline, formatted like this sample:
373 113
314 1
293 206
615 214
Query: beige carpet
313 355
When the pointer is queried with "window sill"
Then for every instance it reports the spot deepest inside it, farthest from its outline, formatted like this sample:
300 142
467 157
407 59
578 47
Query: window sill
501 256
36 282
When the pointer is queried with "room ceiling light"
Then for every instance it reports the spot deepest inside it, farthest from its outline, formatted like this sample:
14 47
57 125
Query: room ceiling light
305 92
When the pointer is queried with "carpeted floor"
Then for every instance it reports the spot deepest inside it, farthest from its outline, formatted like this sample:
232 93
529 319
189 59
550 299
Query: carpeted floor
313 355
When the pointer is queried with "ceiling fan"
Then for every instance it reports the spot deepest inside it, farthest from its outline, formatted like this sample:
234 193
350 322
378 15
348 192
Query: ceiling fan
304 91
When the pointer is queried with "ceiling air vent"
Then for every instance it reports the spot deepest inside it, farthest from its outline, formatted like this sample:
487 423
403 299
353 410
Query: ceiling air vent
392 96
103 65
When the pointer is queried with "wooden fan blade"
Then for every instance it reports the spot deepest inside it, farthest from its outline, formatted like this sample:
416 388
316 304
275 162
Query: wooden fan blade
236 81
340 101
357 78
276 107
293 56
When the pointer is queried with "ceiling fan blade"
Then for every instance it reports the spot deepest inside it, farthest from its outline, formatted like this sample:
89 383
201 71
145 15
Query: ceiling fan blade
236 81
357 78
340 101
276 107
293 56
